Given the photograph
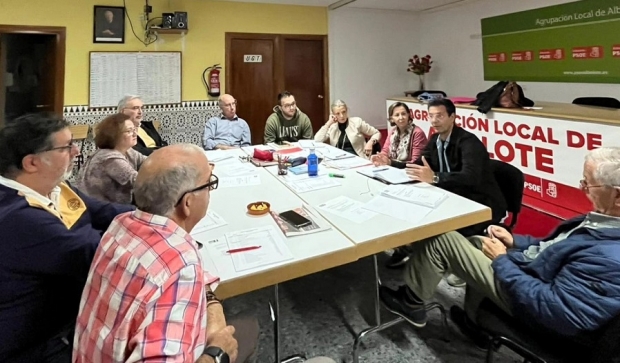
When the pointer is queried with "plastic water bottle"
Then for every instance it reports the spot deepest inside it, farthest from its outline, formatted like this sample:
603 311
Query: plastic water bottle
313 164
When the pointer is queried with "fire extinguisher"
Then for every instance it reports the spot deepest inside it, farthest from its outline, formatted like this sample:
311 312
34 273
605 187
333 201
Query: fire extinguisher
213 84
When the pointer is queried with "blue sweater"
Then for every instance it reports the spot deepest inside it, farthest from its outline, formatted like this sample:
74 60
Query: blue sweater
44 262
572 287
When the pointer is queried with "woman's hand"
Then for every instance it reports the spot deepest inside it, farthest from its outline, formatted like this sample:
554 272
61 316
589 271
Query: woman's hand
380 159
368 147
331 120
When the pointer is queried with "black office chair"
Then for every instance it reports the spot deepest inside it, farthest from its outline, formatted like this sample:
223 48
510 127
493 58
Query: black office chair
510 180
538 346
608 102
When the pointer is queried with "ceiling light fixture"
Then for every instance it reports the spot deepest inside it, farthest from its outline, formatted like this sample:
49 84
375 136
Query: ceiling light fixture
339 4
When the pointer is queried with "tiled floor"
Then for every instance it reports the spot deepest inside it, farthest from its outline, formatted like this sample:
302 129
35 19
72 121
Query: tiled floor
320 315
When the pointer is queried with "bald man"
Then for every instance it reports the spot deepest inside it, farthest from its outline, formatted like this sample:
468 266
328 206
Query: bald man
226 131
147 295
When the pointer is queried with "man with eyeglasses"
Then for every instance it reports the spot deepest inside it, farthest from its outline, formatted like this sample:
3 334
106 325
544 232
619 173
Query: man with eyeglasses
287 123
49 233
147 296
563 286
149 138
226 131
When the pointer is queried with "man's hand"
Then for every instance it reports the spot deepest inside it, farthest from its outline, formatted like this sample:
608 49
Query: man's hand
422 173
502 235
492 247
225 340
380 159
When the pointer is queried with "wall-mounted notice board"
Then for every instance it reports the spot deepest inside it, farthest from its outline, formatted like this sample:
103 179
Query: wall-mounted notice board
573 42
154 76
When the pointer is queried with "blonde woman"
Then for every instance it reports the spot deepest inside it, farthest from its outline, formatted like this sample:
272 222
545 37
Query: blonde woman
348 133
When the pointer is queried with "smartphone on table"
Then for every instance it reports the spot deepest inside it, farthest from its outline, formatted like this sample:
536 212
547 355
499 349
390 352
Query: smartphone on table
295 219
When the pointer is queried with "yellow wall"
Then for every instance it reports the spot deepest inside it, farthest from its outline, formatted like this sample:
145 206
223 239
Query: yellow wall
204 43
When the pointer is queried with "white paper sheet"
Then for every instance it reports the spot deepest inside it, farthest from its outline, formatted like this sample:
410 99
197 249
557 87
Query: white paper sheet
273 248
397 209
332 153
348 163
211 221
421 194
236 169
215 156
348 208
239 181
314 183
307 144
388 174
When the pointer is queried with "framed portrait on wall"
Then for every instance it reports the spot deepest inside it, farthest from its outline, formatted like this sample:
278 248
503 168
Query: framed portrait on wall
109 24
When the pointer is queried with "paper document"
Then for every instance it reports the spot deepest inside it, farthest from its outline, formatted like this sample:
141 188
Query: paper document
348 208
313 183
398 209
210 221
273 248
388 174
306 144
236 169
239 181
218 155
348 163
421 193
332 153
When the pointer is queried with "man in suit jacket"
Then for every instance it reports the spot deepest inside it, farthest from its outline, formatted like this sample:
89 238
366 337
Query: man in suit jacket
149 139
457 161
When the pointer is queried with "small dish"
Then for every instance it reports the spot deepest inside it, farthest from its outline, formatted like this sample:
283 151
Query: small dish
258 208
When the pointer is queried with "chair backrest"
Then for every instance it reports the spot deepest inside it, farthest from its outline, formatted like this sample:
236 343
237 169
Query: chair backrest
597 101
157 125
79 132
510 180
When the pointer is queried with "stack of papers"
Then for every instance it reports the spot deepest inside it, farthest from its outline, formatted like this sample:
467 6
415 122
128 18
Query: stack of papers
422 194
312 183
237 174
332 153
290 231
211 221
348 163
398 209
386 174
307 144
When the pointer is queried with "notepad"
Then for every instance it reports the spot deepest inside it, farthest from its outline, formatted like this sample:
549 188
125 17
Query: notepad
387 174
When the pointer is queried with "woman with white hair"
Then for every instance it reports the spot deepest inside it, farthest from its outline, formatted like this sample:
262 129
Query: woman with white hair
348 133
148 137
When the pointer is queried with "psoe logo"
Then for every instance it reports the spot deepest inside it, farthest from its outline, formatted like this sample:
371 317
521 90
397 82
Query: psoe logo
552 190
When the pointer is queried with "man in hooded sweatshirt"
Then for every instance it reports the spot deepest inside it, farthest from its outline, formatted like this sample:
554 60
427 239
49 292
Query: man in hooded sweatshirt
287 123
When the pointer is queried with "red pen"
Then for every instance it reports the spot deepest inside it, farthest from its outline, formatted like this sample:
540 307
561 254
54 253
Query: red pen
235 250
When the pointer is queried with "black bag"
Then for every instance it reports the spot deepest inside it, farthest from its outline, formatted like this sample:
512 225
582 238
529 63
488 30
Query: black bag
505 94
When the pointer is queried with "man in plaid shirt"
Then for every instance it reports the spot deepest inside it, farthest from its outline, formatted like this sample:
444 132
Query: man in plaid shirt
147 297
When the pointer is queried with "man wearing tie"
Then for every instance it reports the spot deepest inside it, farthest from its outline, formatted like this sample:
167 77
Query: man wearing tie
457 161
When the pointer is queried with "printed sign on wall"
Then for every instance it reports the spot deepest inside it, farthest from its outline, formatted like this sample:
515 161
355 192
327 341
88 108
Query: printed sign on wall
574 42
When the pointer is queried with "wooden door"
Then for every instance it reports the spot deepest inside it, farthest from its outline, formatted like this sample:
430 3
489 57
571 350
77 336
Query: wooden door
253 84
305 76
296 63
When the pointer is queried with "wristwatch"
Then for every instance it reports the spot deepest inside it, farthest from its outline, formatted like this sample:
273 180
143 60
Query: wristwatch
435 179
217 354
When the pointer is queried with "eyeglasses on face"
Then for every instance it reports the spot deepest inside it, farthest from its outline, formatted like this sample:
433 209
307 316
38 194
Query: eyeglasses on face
289 105
212 185
583 184
67 147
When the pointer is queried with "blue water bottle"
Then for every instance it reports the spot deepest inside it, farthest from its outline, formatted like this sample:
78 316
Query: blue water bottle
313 164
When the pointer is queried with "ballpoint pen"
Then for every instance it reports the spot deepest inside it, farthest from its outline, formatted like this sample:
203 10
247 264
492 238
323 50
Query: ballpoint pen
243 249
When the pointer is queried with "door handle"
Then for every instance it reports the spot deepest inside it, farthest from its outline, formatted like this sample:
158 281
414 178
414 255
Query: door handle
42 106
321 96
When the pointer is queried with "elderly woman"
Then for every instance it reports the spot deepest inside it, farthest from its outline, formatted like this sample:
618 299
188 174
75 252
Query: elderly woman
405 141
110 172
348 133
149 139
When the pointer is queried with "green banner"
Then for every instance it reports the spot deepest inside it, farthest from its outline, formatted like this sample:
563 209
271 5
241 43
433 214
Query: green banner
574 42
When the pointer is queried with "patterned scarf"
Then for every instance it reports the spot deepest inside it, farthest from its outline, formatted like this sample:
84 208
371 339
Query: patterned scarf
399 143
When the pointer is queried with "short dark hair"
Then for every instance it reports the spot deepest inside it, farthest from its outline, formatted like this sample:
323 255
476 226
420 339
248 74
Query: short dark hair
450 107
26 135
282 95
109 131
